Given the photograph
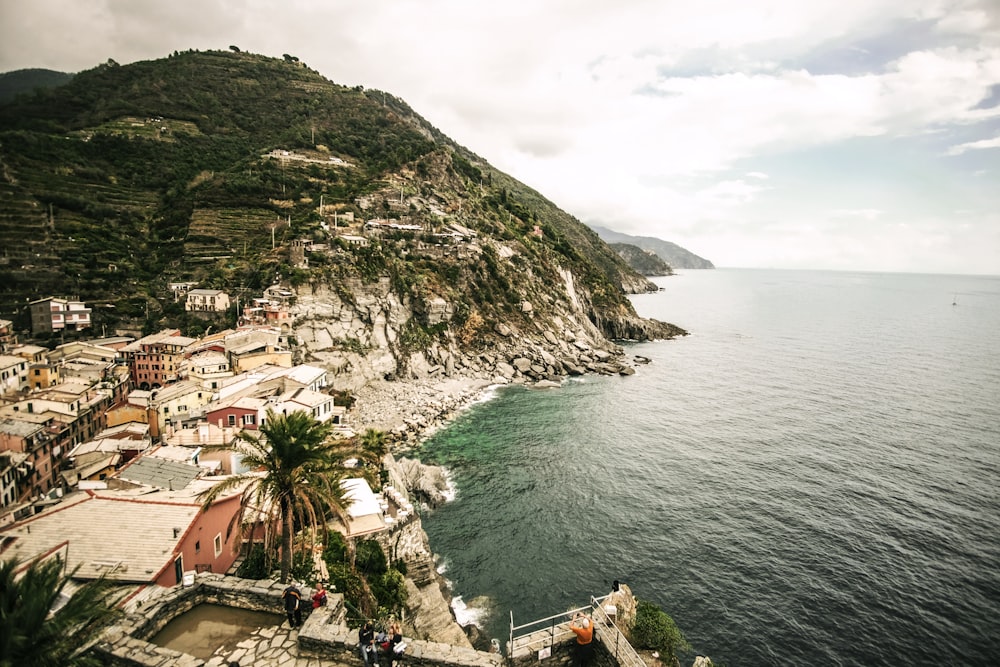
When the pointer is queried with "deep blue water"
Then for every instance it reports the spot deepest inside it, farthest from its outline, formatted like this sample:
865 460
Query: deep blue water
811 477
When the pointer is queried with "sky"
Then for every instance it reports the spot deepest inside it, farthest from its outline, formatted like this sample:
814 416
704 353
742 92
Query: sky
821 134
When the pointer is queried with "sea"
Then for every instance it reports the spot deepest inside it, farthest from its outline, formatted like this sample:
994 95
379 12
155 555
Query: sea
811 477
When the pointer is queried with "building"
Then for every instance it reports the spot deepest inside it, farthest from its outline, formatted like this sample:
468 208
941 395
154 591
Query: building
210 368
157 359
179 290
176 404
11 470
207 301
266 312
154 531
53 315
207 434
8 338
365 513
246 412
13 374
320 406
34 444
43 375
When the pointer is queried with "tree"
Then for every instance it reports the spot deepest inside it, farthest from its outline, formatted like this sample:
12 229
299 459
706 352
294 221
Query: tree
295 477
654 629
32 634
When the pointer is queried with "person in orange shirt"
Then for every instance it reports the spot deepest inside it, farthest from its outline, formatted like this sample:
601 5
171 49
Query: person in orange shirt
583 628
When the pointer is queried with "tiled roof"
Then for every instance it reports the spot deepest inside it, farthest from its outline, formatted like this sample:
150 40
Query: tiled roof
125 539
159 473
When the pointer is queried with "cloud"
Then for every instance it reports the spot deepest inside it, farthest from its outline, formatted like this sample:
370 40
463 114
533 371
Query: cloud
974 145
860 213
660 115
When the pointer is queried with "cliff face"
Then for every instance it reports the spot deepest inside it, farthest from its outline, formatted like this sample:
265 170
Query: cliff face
363 336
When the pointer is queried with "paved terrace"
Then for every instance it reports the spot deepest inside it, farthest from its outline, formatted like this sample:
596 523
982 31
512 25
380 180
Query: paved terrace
323 639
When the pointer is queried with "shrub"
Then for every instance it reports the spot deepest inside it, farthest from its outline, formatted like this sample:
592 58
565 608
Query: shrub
256 565
654 629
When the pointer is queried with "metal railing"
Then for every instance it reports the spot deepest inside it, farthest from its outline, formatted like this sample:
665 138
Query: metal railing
554 629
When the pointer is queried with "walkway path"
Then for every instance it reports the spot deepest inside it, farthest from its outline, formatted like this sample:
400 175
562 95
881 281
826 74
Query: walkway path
273 645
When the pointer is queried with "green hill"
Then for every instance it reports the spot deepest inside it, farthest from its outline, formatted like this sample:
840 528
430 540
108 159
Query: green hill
24 81
205 166
674 255
644 262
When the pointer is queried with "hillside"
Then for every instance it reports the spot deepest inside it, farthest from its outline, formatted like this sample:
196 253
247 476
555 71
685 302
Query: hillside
24 81
220 167
644 262
674 255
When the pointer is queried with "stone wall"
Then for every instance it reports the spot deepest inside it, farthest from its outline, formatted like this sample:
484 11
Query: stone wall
323 633
126 644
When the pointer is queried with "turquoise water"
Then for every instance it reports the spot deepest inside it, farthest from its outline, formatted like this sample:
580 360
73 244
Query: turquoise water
811 477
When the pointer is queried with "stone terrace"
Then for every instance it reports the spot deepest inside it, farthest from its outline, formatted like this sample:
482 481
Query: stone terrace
323 639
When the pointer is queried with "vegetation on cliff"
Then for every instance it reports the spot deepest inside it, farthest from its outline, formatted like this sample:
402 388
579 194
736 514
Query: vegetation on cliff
644 262
208 166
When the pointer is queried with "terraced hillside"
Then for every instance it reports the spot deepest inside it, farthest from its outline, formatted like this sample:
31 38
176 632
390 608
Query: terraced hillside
206 166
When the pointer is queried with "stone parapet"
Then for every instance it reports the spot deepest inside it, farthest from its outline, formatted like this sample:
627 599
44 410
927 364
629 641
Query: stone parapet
324 633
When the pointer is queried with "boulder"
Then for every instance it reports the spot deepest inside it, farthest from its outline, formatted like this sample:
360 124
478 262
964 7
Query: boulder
545 384
522 364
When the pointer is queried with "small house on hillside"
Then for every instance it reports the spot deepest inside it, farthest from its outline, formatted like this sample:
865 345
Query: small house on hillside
207 301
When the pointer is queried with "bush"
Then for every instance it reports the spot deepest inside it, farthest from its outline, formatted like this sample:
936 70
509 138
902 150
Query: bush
302 565
256 565
370 559
336 549
654 629
389 590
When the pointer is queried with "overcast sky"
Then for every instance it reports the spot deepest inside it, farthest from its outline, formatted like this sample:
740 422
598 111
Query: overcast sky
833 134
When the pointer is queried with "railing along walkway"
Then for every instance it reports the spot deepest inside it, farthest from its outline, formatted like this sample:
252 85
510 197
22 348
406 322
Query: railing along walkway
555 629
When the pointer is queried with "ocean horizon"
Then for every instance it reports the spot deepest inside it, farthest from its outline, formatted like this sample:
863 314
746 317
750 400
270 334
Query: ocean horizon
809 477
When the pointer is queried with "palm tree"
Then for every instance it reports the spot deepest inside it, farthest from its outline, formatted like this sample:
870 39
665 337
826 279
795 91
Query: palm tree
295 476
370 448
32 634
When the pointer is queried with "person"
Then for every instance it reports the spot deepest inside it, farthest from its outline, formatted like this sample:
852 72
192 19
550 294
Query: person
319 597
396 644
366 643
583 628
293 607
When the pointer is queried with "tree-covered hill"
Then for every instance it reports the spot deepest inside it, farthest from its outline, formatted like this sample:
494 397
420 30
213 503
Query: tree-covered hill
24 81
674 255
207 166
644 262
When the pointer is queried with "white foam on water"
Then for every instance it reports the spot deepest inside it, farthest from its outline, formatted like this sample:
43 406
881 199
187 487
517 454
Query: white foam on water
466 615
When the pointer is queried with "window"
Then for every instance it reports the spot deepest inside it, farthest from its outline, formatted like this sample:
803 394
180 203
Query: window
249 419
232 420
218 545
197 547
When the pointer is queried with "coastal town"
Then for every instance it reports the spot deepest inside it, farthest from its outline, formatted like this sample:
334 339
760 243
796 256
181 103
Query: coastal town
110 445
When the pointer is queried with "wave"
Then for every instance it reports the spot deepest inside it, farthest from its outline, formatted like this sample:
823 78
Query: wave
467 614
